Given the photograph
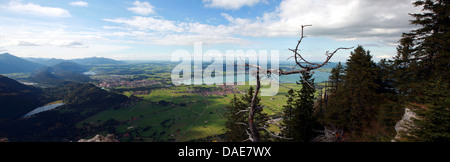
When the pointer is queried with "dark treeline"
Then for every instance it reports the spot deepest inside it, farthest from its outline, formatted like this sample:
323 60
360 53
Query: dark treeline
364 100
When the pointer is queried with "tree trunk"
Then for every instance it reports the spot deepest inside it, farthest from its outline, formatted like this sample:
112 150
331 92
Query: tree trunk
253 106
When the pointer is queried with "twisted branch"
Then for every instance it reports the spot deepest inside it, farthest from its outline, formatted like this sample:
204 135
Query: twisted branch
254 135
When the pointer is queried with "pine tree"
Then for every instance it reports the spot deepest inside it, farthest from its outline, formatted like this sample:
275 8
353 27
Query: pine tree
390 109
237 132
336 77
432 39
352 106
404 66
260 117
423 66
298 113
424 53
433 121
385 77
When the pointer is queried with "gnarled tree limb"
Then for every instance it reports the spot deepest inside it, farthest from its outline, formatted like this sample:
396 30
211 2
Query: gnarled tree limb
254 134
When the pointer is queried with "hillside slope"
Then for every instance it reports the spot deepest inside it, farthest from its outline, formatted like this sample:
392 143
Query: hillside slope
17 99
13 64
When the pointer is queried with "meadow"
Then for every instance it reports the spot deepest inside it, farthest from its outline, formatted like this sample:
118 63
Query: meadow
174 114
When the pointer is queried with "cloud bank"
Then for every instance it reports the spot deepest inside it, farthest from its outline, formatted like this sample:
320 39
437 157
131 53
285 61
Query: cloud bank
79 4
142 8
34 9
229 4
381 21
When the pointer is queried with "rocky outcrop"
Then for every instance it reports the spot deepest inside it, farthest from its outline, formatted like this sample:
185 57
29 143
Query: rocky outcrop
100 138
402 126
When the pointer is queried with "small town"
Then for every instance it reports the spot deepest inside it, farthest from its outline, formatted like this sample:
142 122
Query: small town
115 81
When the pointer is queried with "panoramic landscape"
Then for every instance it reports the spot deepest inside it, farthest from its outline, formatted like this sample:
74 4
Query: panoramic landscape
224 71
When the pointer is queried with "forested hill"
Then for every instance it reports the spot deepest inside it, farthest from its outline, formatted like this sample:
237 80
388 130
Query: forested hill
96 61
80 102
69 66
16 99
91 96
60 74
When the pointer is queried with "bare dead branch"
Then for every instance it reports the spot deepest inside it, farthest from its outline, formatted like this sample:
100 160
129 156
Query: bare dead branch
241 111
240 123
254 135
329 134
310 66
249 137
274 135
273 122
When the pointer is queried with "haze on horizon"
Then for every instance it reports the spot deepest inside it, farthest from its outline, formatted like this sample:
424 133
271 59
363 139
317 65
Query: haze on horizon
153 30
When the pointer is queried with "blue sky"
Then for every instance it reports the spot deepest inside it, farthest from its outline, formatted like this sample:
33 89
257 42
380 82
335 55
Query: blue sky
154 29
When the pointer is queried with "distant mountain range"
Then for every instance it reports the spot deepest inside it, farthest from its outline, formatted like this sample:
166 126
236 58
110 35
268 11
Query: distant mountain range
45 61
96 61
84 61
13 64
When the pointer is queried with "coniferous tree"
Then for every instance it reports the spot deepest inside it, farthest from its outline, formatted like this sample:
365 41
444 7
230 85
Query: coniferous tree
359 89
237 132
423 67
390 109
385 77
403 66
352 106
298 116
433 47
432 123
424 53
336 77
260 117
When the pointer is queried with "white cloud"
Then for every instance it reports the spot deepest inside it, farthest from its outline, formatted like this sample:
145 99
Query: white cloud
97 50
73 44
148 23
341 20
206 29
142 8
384 56
190 39
3 50
46 37
34 9
50 42
230 4
79 3
164 32
25 43
380 21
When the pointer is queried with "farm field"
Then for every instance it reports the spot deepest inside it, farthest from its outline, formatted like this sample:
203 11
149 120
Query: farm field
174 114
167 112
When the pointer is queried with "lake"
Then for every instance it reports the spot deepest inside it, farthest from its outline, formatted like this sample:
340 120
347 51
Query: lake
318 78
42 109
